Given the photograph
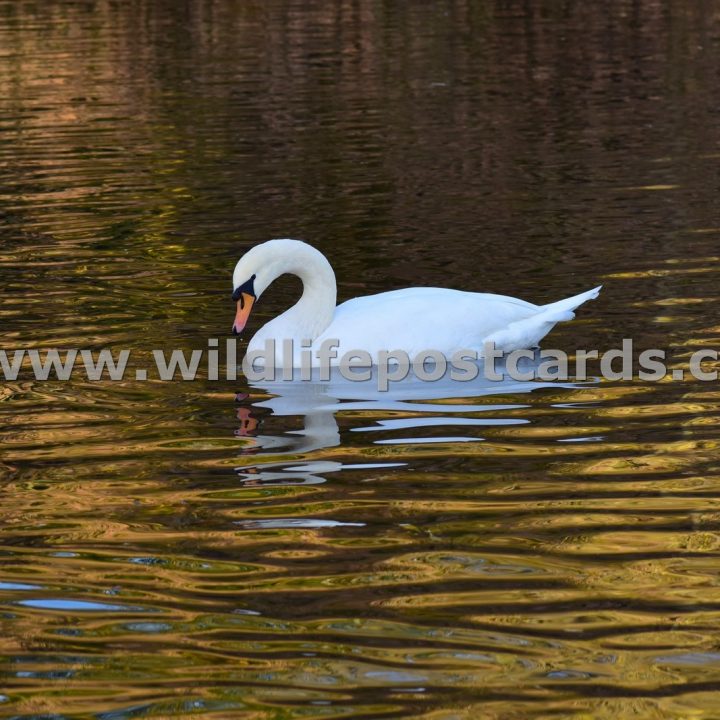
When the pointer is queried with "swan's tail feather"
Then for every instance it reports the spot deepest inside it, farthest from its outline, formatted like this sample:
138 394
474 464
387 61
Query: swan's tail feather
572 302
528 332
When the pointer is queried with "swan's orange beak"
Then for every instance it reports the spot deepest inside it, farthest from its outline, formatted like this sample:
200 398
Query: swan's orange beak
244 296
244 306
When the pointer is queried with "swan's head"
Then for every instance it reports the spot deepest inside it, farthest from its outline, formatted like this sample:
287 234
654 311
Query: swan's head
262 264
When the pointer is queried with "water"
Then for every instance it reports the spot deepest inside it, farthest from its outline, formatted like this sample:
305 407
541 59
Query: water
525 551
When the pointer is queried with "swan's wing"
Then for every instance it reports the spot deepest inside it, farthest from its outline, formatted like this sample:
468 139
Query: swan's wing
419 319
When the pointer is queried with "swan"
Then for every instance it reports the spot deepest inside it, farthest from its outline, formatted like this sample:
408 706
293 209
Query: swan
413 320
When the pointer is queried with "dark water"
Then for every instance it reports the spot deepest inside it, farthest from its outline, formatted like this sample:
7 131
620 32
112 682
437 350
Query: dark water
523 552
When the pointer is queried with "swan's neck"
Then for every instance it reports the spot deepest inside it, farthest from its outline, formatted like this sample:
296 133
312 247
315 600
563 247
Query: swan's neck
314 311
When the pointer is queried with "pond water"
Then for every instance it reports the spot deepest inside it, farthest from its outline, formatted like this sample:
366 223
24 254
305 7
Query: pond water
221 549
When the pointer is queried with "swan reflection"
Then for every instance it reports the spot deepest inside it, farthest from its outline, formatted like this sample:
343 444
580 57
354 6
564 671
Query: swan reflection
315 404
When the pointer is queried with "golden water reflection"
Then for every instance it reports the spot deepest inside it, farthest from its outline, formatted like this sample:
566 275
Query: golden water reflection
516 551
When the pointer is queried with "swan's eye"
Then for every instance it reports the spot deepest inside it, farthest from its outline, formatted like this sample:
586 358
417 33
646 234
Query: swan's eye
247 288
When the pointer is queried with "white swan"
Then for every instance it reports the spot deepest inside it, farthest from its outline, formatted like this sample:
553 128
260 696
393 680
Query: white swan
413 319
